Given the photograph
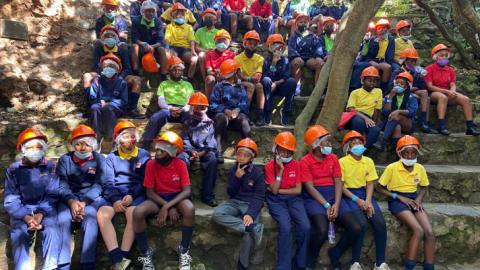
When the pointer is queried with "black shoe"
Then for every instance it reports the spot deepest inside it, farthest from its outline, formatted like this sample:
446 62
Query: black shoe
211 203
260 122
427 129
444 131
473 132
135 114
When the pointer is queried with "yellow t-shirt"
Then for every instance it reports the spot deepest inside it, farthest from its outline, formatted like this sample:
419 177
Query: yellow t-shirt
356 173
382 48
400 45
128 156
179 35
366 102
397 178
166 16
250 66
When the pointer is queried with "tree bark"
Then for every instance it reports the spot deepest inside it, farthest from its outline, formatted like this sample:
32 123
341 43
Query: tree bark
465 7
467 23
436 21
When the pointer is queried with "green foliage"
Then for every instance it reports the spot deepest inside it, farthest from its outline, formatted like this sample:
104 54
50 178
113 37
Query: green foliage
394 8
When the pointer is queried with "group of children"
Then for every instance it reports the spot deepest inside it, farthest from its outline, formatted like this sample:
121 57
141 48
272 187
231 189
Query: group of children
86 190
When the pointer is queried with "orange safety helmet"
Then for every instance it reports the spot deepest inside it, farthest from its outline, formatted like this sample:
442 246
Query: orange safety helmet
328 19
286 140
248 143
174 60
110 2
121 125
222 33
209 11
370 72
149 63
406 75
438 48
301 16
228 67
313 133
407 140
82 130
171 138
109 27
30 134
352 134
401 24
409 53
275 38
198 99
382 22
177 6
113 57
252 34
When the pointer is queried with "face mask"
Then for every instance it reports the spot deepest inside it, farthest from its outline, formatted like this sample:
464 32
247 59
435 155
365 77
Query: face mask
109 72
326 150
110 15
367 88
328 31
208 23
358 150
180 20
163 161
34 156
407 37
398 89
249 51
285 159
147 19
176 79
302 28
110 42
221 46
82 155
408 162
278 53
197 116
442 61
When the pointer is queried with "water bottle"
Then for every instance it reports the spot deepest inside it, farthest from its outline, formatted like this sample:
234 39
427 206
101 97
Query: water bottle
331 233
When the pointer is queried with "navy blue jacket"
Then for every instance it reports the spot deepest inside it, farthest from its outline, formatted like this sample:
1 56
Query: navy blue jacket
418 80
31 189
281 70
124 177
114 91
409 103
136 9
336 11
143 33
250 188
215 4
316 9
82 183
120 23
373 51
310 46
192 5
227 96
121 52
199 135
287 13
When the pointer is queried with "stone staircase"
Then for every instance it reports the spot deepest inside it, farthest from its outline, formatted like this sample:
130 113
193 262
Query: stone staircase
453 202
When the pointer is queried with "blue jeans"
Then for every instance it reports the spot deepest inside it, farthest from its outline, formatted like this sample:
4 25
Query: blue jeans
379 232
286 89
158 120
209 166
103 119
358 124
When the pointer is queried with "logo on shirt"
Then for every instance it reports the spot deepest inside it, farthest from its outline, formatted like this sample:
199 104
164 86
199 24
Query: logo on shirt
92 170
366 173
417 180
116 93
175 177
250 183
292 174
138 165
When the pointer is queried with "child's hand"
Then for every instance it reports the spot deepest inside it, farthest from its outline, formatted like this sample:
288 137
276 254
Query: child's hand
240 170
247 220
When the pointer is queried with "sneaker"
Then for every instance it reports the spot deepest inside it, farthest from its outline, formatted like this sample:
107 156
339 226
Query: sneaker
382 266
444 131
257 233
147 260
260 122
211 203
135 114
184 260
472 132
427 129
123 265
355 266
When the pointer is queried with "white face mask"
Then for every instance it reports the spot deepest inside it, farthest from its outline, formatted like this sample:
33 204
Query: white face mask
34 156
408 162
82 156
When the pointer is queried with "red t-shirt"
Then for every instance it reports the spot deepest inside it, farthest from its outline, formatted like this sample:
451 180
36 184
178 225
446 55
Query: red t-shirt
215 58
290 177
166 179
235 5
440 76
320 172
257 9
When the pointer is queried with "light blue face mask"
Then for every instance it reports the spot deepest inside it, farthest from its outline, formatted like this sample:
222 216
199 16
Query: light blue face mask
221 46
109 72
408 162
82 156
326 150
398 89
110 42
180 20
110 15
358 150
286 159
407 37
34 156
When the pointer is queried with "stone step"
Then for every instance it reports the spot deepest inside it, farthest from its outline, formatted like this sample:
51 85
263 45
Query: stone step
448 183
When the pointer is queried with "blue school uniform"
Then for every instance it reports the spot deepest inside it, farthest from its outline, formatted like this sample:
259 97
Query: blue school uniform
316 9
373 48
136 9
119 22
336 11
30 190
305 47
287 13
120 52
227 96
143 32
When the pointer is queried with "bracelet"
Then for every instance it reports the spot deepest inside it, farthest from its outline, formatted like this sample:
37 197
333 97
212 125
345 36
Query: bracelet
278 178
326 205
354 198
394 195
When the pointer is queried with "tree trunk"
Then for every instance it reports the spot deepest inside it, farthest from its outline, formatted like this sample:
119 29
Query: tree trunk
468 24
465 7
347 42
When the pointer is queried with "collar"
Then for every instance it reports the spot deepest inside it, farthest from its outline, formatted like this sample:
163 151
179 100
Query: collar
107 21
150 24
352 159
43 162
127 156
400 167
81 161
112 50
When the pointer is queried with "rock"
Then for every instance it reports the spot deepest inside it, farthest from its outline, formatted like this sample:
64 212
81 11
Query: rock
13 29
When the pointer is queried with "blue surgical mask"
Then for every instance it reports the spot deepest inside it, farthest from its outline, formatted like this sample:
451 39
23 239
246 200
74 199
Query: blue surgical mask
326 150
398 89
34 156
110 42
408 162
180 20
358 150
109 72
110 15
221 46
442 61
408 37
82 156
286 159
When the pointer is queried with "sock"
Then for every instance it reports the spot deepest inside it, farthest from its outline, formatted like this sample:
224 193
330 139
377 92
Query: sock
394 142
441 123
142 242
115 255
423 117
87 266
187 233
133 100
260 113
125 253
409 264
469 124
428 266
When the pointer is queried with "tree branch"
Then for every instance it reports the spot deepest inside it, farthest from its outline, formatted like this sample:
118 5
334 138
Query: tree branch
466 8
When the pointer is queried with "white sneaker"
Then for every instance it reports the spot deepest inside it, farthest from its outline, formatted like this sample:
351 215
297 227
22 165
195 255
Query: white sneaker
356 266
184 261
123 265
382 266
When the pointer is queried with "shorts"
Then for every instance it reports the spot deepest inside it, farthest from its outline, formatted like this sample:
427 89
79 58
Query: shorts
395 206
361 193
